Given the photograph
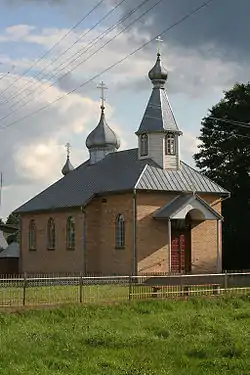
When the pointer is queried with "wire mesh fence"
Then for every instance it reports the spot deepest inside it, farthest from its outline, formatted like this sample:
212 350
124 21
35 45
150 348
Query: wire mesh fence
31 290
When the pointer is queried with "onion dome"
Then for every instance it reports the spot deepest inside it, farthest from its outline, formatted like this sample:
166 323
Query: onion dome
158 74
68 167
102 136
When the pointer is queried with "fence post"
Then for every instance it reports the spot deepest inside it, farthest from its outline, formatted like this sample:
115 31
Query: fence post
80 288
130 288
226 281
24 287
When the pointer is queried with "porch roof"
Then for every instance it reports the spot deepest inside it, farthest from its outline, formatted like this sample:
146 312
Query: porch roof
181 205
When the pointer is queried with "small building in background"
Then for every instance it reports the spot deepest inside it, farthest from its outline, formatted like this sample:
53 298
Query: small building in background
9 259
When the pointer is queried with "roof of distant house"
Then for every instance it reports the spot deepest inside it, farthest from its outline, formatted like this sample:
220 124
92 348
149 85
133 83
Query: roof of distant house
11 251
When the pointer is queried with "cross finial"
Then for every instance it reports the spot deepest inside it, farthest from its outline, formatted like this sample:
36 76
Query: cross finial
68 147
159 40
103 87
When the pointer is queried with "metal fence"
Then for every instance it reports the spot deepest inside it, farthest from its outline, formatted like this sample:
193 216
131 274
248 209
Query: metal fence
31 290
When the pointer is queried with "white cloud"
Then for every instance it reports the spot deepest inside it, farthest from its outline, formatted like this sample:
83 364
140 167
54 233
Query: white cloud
33 149
39 162
189 146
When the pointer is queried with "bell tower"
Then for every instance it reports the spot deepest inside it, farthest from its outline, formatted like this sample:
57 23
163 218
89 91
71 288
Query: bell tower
158 133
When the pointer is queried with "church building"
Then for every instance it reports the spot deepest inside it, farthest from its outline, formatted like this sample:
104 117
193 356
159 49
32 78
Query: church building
135 211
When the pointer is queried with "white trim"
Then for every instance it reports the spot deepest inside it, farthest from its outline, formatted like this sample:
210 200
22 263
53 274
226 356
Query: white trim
195 205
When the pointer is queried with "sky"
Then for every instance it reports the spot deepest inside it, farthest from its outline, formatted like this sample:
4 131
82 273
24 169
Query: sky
44 55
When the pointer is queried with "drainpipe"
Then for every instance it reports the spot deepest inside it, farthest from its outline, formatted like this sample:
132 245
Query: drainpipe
84 268
134 244
20 262
218 246
169 244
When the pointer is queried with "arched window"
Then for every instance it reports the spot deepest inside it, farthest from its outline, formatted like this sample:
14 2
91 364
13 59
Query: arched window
70 233
144 145
170 144
120 232
32 235
51 233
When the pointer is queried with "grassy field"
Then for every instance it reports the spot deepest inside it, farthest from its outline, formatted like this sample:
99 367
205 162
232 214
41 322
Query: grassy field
195 336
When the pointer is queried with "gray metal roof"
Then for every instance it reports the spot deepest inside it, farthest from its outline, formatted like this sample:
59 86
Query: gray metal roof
185 179
119 171
11 251
176 204
158 115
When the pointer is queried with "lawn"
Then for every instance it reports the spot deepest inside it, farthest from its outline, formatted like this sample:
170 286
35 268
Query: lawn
202 335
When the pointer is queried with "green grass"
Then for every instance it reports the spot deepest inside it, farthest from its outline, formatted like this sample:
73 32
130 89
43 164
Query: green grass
194 336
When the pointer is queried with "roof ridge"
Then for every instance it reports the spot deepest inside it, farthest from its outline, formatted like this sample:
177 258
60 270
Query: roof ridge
203 175
141 175
162 94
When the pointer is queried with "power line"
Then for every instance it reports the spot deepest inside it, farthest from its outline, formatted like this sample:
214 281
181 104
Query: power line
4 75
67 49
94 53
182 19
90 45
8 72
233 122
53 47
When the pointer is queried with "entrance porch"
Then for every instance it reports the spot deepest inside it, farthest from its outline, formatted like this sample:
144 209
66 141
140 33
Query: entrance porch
183 214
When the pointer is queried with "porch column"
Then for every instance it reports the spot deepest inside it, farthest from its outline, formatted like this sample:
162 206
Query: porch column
169 244
218 246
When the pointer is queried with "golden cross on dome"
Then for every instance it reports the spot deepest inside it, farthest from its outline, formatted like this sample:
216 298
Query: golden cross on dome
103 87
159 40
68 147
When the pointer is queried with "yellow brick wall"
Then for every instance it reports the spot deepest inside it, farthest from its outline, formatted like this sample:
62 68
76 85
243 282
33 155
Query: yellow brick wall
101 255
49 261
204 241
101 235
152 235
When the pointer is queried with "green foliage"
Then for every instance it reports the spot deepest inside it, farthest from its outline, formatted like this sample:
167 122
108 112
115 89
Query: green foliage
13 219
14 237
224 156
177 337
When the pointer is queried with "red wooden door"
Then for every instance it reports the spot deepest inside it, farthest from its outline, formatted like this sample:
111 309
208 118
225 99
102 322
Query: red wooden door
178 252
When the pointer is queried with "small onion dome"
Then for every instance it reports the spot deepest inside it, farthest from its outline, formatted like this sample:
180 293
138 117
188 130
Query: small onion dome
158 73
68 167
102 136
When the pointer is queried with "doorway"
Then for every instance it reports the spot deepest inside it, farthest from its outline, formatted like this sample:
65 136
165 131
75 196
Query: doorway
180 246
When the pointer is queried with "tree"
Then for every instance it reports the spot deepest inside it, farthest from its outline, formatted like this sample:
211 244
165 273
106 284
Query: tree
13 220
224 156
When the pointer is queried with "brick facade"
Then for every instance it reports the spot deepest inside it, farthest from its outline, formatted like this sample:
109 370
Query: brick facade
101 255
51 261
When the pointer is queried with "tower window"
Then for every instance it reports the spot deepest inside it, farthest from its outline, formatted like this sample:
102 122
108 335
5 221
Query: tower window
144 145
170 144
32 235
70 232
51 233
120 232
